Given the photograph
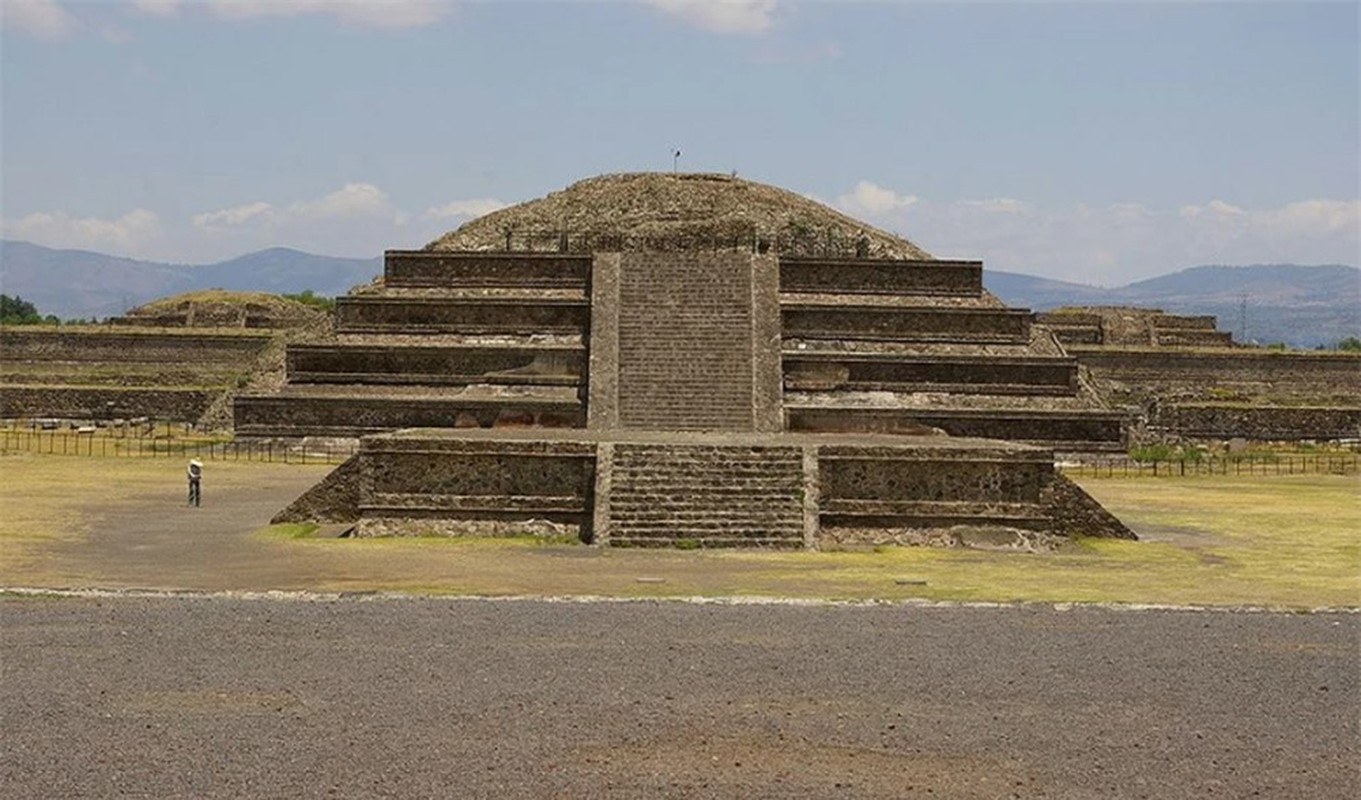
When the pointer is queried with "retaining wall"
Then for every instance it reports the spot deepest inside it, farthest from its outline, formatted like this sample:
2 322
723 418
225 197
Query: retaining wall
1061 430
1262 423
116 346
437 365
285 415
905 324
814 371
880 276
80 402
521 316
1149 372
422 268
497 487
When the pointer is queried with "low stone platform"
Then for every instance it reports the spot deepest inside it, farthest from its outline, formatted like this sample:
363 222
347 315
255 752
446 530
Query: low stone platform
1069 430
710 490
349 411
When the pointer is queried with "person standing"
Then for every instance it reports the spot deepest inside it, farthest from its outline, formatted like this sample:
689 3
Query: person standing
195 482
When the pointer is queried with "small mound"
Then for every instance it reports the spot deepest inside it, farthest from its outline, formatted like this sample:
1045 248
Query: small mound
218 308
676 212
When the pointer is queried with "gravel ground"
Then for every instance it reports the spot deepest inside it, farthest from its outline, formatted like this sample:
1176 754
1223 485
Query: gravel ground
233 697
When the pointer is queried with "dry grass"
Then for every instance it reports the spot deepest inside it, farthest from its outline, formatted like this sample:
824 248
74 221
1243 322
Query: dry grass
1289 542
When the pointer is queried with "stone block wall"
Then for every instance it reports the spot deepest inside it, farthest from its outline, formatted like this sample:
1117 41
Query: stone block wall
104 402
261 415
18 344
520 316
910 324
424 269
1065 430
437 365
413 484
864 492
1145 373
829 371
1260 423
880 276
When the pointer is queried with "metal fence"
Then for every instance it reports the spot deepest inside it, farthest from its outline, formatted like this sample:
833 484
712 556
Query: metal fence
1251 464
70 443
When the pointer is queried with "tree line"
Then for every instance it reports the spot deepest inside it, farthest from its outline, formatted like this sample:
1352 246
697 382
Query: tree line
18 311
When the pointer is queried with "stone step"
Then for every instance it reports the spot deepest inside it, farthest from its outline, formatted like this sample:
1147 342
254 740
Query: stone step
701 472
726 494
779 543
766 512
696 528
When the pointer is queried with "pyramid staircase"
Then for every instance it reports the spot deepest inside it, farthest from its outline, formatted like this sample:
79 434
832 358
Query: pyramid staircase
711 495
883 346
453 340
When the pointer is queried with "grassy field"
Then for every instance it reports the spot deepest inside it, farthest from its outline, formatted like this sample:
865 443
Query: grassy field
1287 541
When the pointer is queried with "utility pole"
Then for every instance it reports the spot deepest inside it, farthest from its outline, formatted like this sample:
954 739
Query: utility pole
1243 317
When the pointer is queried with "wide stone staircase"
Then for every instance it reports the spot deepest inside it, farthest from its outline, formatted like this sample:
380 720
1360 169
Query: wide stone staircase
661 495
881 346
451 340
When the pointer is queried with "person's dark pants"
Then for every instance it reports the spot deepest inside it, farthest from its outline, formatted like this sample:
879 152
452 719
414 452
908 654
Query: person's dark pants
193 492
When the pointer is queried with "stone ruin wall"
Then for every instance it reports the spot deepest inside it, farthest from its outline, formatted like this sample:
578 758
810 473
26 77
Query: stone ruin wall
18 344
1239 374
102 373
98 403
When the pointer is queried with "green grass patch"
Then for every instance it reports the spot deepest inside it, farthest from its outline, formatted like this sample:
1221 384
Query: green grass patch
289 530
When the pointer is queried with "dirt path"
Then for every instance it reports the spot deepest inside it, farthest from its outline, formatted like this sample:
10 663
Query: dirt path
149 537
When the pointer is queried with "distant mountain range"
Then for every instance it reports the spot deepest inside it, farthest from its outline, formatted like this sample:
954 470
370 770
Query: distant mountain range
1302 306
80 284
1297 305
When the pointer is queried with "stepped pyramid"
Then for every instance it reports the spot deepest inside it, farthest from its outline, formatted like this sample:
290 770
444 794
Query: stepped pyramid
652 358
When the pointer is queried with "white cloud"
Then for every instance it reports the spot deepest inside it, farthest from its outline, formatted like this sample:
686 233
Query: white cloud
1311 217
721 16
464 208
127 235
363 13
41 19
1129 210
1000 205
1217 208
870 198
1119 243
158 8
235 216
352 201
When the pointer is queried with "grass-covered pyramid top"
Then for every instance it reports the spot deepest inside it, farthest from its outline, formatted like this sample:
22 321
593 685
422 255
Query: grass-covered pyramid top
211 308
676 212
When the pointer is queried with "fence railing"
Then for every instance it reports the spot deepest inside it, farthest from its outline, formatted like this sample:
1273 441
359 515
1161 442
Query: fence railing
1253 464
90 445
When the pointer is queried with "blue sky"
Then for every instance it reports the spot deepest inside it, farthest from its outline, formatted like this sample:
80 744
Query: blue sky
1101 142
